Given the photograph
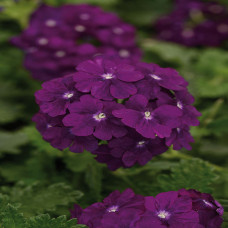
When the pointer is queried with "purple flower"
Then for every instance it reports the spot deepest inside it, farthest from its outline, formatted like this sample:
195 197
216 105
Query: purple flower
180 137
103 155
116 210
92 116
210 211
168 210
182 100
56 96
124 103
119 35
160 77
61 137
59 38
147 119
107 79
194 23
134 148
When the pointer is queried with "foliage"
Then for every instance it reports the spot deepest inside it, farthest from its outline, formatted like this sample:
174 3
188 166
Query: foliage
10 217
36 178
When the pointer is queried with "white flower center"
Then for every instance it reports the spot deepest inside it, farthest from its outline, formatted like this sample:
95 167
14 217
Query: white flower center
99 117
179 105
223 28
50 23
113 209
68 95
155 77
118 30
60 54
49 125
208 203
107 76
124 53
84 16
43 41
188 33
79 28
178 130
147 115
140 143
163 214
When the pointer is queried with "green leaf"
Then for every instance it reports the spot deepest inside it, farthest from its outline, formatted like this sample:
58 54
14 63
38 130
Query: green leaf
211 80
78 162
219 126
9 112
142 12
168 51
44 221
9 142
189 174
19 11
11 218
37 198
96 2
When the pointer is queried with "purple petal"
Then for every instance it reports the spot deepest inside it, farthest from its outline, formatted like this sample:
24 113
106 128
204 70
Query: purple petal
122 90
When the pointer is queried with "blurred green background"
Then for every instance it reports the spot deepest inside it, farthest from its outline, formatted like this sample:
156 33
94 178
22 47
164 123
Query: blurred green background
37 179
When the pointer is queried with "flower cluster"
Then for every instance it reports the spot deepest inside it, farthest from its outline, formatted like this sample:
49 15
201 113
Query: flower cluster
133 112
174 209
58 38
195 23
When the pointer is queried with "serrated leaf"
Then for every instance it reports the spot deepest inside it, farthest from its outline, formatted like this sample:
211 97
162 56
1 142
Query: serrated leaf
37 198
189 174
44 221
11 218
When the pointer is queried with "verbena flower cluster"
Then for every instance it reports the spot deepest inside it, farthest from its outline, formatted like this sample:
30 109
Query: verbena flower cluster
174 209
123 113
195 23
58 38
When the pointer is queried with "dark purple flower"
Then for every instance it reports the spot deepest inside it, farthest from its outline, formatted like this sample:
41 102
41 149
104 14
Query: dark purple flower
60 137
103 155
195 23
180 137
107 79
56 96
58 38
168 210
210 211
119 35
134 148
182 99
92 116
160 77
147 119
116 210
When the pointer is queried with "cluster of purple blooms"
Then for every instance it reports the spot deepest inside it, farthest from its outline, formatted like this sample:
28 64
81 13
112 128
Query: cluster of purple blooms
174 209
58 38
123 113
195 23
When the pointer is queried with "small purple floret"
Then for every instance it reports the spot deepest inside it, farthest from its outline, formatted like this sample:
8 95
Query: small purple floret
174 209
